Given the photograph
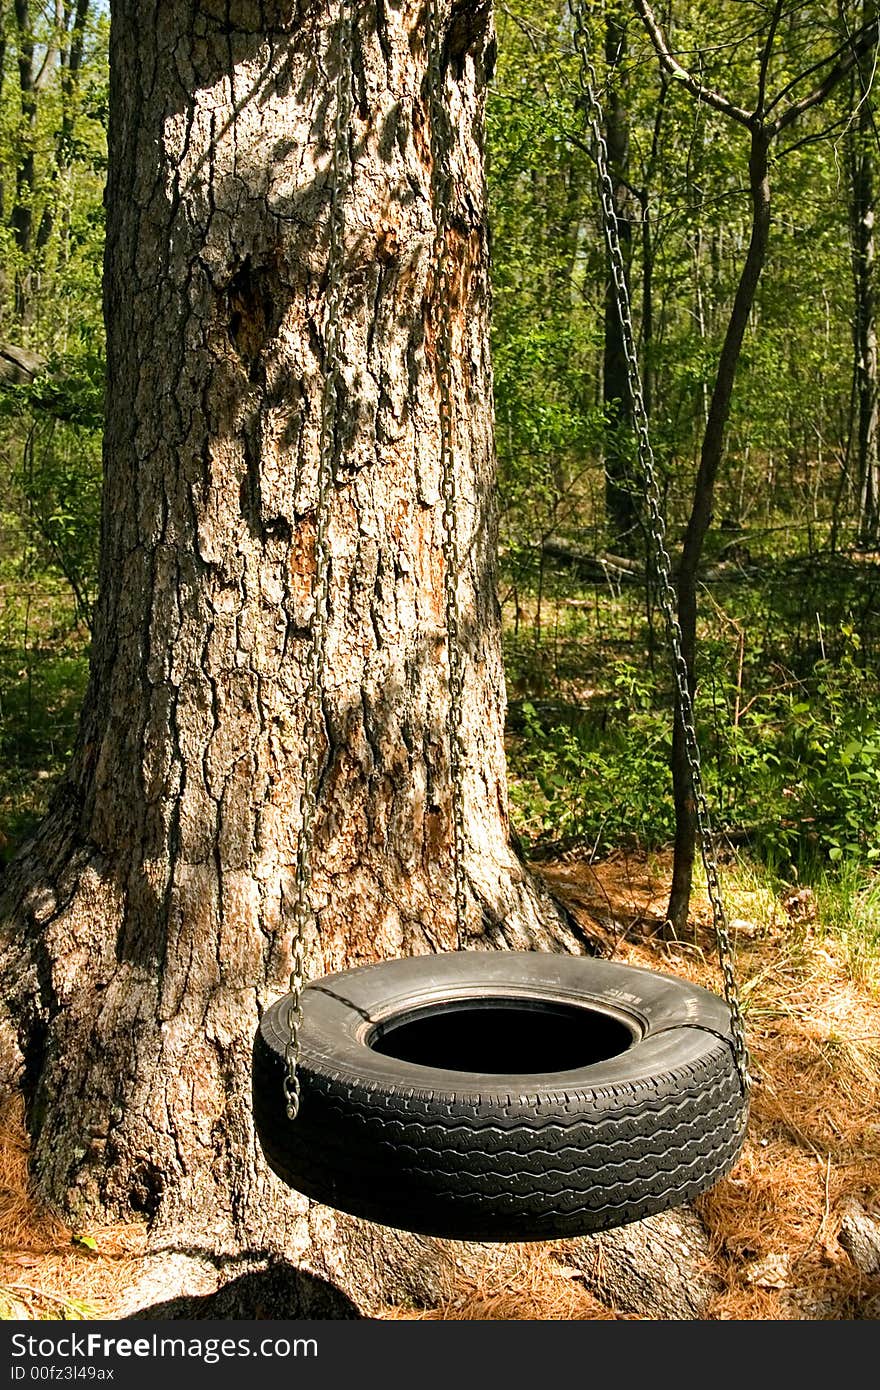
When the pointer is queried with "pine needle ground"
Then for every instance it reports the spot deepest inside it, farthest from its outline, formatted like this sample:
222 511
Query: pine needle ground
773 1225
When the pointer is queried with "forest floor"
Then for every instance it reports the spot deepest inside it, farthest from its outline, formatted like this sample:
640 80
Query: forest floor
777 1225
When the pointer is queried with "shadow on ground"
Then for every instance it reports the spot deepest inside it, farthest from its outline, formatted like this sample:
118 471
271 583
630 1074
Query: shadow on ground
281 1291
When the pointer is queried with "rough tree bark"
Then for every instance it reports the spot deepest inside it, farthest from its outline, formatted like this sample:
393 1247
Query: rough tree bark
146 925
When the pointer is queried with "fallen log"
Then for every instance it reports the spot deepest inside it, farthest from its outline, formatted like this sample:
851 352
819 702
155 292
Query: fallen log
618 569
19 366
599 568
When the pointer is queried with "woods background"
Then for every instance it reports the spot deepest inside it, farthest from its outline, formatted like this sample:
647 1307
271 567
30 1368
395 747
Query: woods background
788 606
743 143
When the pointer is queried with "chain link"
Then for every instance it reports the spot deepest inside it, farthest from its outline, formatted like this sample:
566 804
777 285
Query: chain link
442 288
667 597
320 589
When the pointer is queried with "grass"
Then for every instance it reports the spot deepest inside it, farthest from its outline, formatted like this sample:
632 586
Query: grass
848 905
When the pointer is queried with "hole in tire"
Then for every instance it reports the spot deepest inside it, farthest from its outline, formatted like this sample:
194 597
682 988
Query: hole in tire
503 1037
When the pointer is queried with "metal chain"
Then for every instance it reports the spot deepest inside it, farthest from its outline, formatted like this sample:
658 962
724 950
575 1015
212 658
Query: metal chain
442 288
320 588
665 590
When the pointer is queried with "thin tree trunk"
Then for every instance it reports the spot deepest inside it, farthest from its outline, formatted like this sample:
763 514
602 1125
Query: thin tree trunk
25 175
4 284
763 128
648 252
148 923
620 509
701 515
863 213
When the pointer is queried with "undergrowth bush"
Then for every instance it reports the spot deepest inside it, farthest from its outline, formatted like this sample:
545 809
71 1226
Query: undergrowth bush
794 776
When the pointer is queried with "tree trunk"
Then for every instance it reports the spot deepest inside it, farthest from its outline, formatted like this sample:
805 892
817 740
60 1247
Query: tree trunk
620 510
148 923
862 215
763 129
701 516
3 280
649 175
25 175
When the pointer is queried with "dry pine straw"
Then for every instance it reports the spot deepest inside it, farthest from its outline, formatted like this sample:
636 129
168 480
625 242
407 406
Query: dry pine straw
814 1137
46 1269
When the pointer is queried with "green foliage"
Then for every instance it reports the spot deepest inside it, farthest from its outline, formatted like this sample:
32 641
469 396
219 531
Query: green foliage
52 165
789 718
43 668
60 481
797 776
70 388
688 165
831 745
603 780
544 343
787 704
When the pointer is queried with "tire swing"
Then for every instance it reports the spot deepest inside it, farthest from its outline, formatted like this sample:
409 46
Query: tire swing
494 1095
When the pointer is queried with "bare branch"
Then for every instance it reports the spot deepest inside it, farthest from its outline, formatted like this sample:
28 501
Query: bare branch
53 49
766 52
819 64
670 64
843 60
814 138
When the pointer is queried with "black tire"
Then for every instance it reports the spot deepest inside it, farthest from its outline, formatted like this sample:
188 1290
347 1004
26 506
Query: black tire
527 1155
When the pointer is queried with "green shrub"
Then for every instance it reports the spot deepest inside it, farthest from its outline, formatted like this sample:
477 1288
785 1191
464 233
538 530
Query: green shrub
797 776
